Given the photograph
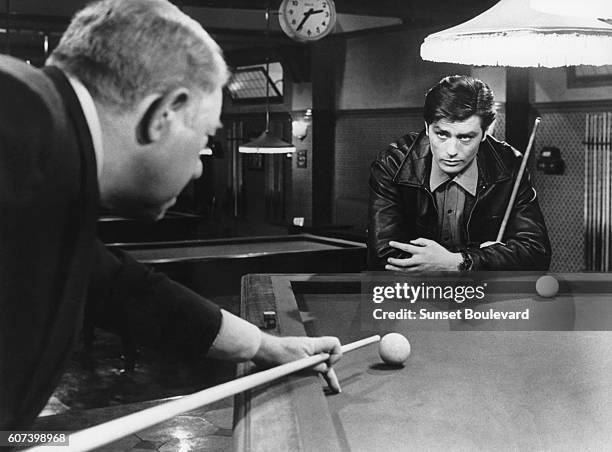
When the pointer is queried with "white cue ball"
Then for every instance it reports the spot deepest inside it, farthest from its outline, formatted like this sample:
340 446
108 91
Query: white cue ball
394 349
547 286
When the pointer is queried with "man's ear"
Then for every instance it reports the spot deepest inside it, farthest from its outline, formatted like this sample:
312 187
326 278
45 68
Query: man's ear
426 128
158 114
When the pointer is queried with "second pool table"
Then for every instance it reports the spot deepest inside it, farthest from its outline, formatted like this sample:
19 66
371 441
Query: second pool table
214 267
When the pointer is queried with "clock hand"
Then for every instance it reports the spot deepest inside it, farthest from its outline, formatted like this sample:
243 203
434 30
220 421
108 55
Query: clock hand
306 16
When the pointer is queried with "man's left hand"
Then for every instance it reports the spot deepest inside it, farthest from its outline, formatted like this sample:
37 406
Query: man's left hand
427 256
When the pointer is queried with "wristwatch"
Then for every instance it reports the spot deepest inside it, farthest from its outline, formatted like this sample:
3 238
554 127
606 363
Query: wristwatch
466 264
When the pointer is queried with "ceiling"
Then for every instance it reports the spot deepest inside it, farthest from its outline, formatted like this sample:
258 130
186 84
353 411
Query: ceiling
238 25
407 10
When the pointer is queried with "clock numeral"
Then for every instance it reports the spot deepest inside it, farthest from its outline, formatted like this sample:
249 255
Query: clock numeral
309 33
295 3
293 22
323 23
324 5
318 30
326 14
291 11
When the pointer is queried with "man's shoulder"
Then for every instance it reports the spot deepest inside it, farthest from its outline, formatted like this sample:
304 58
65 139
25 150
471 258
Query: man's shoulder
503 149
33 128
396 151
25 83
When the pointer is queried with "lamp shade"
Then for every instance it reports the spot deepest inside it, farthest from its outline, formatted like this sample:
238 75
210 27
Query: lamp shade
512 34
266 144
601 9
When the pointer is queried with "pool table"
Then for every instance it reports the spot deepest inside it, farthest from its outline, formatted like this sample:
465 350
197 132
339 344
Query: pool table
462 388
214 267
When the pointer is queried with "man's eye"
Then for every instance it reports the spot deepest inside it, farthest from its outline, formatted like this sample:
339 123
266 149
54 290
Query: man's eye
441 135
465 139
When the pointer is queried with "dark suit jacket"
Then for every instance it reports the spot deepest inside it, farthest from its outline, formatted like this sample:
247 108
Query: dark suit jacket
49 254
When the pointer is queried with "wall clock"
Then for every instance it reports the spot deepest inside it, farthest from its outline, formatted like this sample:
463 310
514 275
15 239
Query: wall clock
307 20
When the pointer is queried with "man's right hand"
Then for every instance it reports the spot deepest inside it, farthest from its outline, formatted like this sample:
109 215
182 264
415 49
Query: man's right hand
276 350
425 256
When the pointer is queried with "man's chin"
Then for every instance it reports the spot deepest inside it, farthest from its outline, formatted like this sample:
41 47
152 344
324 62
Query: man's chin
452 170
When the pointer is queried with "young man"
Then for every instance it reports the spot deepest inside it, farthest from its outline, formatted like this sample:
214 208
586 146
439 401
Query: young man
117 118
438 197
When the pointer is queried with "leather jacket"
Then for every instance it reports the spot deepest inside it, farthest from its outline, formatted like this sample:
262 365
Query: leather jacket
402 207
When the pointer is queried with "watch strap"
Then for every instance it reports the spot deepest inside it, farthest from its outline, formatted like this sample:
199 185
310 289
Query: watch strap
466 263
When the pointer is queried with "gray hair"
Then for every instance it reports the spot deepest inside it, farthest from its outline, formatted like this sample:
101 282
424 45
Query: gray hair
124 50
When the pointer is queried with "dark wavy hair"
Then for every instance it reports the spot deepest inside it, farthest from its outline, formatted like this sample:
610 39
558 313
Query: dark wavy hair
457 97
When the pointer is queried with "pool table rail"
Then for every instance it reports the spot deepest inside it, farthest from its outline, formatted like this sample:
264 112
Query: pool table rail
279 416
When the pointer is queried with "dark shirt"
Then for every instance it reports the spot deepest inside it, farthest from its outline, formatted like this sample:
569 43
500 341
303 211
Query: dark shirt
450 196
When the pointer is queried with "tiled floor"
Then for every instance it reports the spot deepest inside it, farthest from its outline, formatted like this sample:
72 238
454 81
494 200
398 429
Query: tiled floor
96 388
204 430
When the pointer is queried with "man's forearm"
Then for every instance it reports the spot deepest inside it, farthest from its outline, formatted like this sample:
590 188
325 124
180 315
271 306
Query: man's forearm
237 340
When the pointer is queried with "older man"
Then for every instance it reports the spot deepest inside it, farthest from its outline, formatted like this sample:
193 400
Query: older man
117 118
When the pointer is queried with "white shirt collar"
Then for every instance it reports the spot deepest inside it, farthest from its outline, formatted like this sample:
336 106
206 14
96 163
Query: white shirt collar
92 118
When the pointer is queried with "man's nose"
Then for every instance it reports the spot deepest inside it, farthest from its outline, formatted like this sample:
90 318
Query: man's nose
452 148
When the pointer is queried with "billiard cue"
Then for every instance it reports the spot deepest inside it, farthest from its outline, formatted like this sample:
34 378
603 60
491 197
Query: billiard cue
517 182
608 222
586 224
107 432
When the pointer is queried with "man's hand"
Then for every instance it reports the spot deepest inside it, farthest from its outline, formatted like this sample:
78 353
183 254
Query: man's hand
427 256
276 350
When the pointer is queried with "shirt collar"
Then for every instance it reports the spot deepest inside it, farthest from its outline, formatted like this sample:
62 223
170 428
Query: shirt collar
92 118
466 179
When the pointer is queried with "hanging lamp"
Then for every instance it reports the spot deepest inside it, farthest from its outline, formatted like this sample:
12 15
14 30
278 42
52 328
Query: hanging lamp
266 143
601 9
512 34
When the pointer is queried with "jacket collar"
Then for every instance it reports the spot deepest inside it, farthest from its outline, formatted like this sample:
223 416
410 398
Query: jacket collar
83 134
416 164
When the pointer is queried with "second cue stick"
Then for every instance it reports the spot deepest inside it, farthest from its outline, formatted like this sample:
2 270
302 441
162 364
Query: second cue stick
517 182
110 431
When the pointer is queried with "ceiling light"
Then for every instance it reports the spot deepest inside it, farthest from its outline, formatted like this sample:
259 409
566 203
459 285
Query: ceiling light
601 9
266 143
512 34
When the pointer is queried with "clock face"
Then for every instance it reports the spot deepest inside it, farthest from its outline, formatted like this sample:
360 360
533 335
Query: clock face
307 20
